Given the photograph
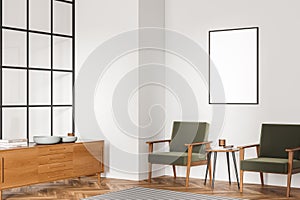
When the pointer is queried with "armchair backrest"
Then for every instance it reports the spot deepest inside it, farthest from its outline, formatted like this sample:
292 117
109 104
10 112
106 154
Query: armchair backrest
186 133
275 138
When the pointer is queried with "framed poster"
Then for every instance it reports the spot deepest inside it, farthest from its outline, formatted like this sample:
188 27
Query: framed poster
233 66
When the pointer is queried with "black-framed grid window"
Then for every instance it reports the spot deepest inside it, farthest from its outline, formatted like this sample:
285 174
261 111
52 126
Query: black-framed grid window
37 68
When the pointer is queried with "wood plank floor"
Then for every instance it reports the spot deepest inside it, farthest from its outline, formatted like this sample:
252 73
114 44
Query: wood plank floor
87 186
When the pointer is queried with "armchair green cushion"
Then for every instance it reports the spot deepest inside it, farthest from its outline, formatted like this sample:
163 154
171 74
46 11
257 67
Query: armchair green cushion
174 158
187 133
275 138
269 165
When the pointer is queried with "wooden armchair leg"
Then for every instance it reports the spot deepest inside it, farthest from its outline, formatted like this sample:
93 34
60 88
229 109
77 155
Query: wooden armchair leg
288 189
262 178
210 173
241 180
188 168
188 165
150 150
149 172
290 170
174 170
242 153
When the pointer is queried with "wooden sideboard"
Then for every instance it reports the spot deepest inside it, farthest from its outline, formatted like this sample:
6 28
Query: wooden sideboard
43 163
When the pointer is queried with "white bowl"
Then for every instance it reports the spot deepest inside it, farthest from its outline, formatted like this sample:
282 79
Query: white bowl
46 139
69 139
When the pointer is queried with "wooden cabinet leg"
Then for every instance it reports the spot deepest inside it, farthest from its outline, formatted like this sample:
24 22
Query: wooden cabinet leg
99 178
0 194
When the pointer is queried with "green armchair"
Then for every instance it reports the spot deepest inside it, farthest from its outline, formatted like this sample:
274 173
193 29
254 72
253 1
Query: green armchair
187 148
278 152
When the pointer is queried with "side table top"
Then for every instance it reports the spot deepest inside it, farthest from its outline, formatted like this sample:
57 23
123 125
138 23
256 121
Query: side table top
221 149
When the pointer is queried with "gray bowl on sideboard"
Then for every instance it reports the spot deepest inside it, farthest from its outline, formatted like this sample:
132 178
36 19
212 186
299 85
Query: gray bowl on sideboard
69 138
46 139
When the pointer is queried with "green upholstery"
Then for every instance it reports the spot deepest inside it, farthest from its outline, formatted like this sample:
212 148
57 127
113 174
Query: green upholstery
183 133
269 165
275 138
187 133
273 158
174 158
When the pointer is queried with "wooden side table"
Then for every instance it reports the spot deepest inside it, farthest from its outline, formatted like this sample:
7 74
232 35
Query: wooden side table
216 151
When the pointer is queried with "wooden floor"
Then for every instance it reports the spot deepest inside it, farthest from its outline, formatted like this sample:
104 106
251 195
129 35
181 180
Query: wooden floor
87 186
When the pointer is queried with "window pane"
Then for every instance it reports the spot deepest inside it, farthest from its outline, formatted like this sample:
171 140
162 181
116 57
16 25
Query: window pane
62 121
14 48
62 88
62 18
14 123
39 55
39 88
14 13
14 87
39 122
62 53
39 15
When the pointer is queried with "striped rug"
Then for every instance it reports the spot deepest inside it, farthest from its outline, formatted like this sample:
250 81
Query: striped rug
139 193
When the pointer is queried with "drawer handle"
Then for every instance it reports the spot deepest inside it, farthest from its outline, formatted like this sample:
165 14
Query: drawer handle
57 158
57 166
57 149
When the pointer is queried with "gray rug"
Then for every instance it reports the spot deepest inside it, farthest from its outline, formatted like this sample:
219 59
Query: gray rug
139 193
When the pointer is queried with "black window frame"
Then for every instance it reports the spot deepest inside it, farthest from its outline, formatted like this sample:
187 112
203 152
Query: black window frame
28 68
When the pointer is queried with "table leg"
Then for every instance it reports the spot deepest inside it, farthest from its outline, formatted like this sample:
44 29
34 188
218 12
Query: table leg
236 172
214 172
228 165
207 166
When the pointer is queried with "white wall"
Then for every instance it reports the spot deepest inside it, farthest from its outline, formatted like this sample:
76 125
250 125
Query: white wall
97 21
151 72
279 72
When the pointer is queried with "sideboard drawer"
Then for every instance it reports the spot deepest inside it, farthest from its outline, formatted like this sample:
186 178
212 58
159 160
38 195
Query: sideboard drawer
55 149
55 158
33 164
55 167
56 175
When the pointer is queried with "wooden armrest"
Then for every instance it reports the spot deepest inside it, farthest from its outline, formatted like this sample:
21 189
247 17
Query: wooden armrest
248 146
293 149
157 141
242 150
198 143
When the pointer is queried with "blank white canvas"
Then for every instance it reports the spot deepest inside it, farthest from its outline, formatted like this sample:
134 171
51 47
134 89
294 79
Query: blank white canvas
233 66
